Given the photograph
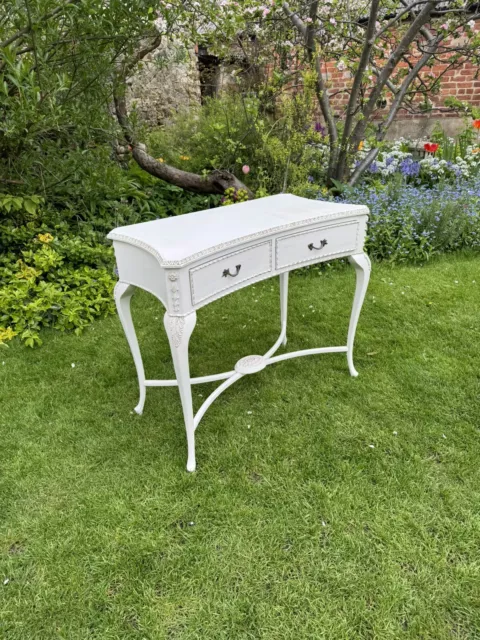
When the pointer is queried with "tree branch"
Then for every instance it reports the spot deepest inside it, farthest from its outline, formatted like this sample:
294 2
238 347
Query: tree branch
295 20
320 86
363 166
397 103
19 34
357 84
421 19
408 8
141 53
216 182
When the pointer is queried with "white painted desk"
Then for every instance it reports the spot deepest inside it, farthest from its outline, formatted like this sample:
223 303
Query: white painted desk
190 260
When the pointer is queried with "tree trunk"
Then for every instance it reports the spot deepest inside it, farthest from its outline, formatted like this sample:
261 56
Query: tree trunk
215 182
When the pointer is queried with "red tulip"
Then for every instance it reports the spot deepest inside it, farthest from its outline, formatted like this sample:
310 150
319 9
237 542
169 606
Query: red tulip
476 124
431 147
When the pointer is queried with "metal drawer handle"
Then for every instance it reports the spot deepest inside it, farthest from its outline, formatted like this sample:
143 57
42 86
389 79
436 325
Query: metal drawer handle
311 246
226 272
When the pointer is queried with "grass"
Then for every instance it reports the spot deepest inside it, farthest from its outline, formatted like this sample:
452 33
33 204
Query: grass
293 528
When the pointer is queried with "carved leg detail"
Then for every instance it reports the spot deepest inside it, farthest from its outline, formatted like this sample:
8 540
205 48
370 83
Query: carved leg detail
362 265
123 297
179 329
284 304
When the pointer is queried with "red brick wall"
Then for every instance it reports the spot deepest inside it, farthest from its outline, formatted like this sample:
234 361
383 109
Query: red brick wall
462 83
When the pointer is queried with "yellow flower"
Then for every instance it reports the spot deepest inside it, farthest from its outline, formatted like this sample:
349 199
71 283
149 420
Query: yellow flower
184 157
45 237
25 272
6 334
360 145
476 150
160 160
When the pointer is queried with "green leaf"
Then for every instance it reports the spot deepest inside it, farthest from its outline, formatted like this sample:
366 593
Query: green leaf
30 206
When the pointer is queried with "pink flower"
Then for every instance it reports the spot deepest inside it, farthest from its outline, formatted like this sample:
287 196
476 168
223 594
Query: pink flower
333 21
246 169
265 12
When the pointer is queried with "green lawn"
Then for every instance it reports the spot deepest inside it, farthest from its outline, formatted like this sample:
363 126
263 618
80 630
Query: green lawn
294 528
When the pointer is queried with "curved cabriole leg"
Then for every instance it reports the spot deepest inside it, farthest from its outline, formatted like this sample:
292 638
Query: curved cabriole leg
179 329
123 297
284 304
362 265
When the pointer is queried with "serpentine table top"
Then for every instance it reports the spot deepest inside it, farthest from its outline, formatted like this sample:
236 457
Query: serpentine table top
180 240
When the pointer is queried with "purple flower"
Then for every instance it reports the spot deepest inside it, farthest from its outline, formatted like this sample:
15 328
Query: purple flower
311 179
319 128
409 167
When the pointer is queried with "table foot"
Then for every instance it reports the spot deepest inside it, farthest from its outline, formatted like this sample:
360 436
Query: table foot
362 266
123 297
179 329
284 305
139 408
351 368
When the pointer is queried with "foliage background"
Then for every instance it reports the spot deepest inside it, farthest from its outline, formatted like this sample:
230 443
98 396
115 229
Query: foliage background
63 187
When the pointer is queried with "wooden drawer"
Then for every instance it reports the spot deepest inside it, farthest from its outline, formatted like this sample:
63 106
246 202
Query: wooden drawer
229 271
315 244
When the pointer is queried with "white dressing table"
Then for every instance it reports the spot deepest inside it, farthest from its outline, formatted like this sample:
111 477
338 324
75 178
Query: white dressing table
188 261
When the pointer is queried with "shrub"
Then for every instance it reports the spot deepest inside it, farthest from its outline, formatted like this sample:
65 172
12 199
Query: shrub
235 130
412 223
50 276
56 268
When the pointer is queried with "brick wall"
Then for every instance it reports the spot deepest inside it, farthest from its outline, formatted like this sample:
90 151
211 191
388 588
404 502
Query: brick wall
462 83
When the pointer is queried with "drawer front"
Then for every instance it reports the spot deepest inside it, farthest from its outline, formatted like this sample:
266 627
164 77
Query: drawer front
211 278
315 244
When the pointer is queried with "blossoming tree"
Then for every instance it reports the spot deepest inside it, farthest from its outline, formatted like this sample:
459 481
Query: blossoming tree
388 47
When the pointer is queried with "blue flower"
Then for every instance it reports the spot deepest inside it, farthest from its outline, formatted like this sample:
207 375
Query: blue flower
409 167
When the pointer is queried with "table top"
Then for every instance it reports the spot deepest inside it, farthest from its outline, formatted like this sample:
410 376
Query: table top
179 240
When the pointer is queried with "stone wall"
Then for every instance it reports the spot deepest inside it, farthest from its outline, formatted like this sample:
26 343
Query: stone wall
167 80
170 79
